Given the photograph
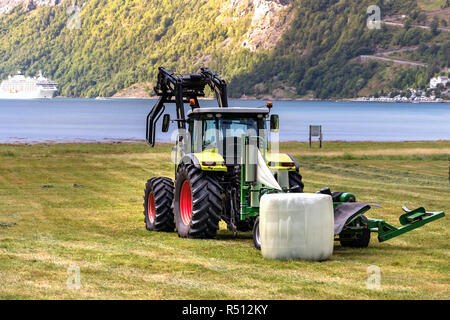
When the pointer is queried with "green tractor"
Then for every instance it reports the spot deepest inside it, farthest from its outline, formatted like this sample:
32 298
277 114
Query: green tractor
216 156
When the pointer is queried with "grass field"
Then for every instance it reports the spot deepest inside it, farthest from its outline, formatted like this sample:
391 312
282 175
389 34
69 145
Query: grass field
66 205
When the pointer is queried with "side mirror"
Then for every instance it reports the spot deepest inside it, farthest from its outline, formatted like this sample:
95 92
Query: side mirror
166 122
274 122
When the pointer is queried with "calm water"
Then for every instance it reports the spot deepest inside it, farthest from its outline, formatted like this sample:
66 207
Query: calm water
73 120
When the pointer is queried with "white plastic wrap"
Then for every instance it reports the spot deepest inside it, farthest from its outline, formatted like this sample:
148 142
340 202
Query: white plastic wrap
264 175
296 226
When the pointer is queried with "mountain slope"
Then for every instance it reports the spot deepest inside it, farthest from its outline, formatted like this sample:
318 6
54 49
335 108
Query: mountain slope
317 53
262 47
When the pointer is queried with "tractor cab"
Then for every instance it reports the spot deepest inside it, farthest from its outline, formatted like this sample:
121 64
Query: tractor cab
221 130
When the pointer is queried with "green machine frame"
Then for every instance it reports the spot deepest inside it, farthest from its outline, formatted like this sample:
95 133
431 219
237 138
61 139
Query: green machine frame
410 220
251 192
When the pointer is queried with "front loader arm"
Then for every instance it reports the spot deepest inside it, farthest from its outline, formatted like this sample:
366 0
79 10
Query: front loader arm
176 89
218 85
152 118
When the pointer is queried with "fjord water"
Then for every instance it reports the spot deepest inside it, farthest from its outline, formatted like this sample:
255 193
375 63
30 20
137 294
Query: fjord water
91 120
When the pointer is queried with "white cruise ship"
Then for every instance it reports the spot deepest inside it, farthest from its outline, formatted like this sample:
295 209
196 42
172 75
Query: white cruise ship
21 87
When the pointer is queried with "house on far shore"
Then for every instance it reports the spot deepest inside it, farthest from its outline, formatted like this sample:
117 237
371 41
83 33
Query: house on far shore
438 80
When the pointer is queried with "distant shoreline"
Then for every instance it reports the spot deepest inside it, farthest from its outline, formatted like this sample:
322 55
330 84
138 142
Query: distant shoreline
260 99
132 141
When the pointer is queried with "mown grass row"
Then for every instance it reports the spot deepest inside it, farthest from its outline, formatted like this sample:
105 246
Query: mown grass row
81 204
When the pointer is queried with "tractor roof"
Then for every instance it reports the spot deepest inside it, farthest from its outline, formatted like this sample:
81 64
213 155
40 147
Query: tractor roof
229 111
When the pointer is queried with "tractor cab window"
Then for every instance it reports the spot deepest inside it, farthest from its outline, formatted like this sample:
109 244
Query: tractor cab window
223 133
230 128
209 134
224 129
231 132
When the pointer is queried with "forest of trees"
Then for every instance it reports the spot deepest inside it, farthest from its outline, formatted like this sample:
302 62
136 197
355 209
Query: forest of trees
333 33
122 42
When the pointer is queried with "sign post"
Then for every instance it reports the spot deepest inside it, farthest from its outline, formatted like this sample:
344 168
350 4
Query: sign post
315 131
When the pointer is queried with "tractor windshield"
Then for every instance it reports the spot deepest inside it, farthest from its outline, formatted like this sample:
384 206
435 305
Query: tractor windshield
228 132
230 128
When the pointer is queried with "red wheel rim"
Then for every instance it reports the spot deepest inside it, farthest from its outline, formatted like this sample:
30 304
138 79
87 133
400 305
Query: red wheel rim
151 207
186 203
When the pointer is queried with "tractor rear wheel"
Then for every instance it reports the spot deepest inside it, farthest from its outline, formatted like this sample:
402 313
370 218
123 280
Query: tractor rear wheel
295 182
362 241
158 198
197 203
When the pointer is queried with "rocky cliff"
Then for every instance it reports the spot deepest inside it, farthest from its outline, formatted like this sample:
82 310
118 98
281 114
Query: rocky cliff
269 19
8 5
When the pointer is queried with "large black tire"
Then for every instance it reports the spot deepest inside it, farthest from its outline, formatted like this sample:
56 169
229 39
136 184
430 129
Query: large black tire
295 182
361 242
256 237
158 198
198 218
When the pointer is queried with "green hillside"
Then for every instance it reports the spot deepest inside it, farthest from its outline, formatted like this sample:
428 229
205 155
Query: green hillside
122 42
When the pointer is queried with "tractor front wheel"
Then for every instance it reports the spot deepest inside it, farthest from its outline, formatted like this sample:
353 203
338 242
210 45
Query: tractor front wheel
158 198
197 203
256 237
